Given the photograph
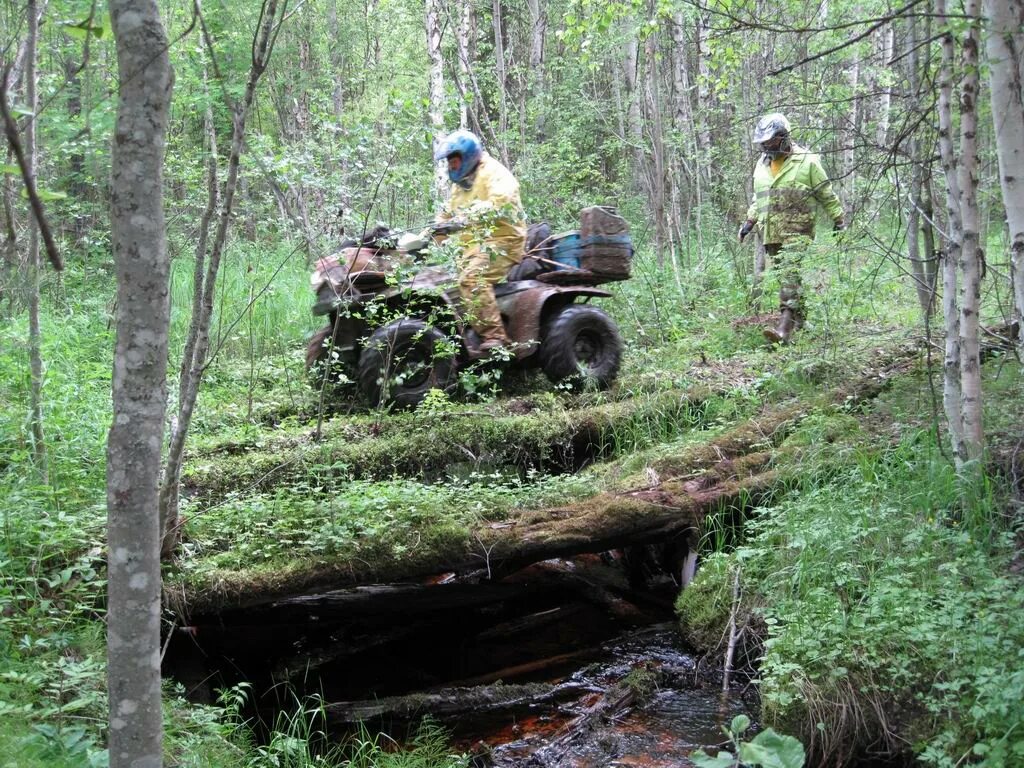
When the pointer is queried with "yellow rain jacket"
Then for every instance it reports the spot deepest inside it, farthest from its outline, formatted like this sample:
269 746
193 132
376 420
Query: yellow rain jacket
492 209
783 204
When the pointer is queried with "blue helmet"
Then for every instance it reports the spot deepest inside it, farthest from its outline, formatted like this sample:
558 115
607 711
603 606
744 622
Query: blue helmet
464 143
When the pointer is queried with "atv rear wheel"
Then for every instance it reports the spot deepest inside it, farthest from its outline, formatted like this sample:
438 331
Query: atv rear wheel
403 361
582 341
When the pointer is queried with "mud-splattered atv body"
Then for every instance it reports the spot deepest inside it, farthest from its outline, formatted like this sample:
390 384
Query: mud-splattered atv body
397 331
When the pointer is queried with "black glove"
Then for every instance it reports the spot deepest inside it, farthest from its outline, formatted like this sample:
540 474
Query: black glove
748 225
448 227
839 226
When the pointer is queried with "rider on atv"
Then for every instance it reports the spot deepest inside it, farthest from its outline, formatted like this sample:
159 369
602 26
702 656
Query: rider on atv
486 215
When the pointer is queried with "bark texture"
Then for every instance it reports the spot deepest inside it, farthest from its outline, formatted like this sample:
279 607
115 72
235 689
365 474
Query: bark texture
139 388
1004 48
35 354
436 90
970 251
951 256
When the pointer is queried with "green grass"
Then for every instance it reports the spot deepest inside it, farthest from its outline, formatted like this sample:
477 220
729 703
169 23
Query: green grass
881 591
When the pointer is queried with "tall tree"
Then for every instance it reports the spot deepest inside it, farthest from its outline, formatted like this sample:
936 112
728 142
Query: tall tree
436 90
32 264
951 389
139 384
1005 47
970 250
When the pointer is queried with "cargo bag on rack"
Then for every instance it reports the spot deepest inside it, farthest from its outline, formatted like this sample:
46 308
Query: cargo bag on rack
606 247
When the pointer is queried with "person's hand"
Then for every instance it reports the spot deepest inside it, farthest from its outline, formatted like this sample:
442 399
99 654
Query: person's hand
745 230
839 225
449 226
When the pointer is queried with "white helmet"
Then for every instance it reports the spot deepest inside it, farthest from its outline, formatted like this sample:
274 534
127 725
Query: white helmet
774 124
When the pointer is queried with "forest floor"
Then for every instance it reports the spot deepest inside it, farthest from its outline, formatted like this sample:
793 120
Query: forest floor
876 601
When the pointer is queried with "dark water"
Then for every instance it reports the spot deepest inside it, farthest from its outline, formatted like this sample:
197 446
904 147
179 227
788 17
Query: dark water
674 713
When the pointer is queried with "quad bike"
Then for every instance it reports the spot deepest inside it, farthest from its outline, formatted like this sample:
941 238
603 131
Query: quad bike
396 329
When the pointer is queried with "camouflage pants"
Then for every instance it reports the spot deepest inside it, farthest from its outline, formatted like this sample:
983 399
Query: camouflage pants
480 268
791 292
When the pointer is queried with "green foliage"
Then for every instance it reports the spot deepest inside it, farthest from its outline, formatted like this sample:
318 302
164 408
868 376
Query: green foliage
767 749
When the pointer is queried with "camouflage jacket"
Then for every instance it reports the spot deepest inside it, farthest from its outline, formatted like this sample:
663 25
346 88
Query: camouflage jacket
783 205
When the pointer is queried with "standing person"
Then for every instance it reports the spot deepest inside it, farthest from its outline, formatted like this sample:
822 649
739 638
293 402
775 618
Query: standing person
788 179
485 208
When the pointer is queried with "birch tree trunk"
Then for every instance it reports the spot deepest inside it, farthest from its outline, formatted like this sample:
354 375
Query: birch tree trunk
922 283
436 91
704 90
634 128
199 328
464 28
657 171
1004 50
885 97
337 59
500 70
970 251
32 265
139 385
951 392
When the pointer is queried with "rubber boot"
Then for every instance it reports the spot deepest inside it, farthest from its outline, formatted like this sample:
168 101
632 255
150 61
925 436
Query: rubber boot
781 333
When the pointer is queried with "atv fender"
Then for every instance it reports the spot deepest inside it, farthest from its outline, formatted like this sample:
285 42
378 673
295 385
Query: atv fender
525 310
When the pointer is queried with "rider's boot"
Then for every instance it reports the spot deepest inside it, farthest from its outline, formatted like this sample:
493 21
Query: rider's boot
781 333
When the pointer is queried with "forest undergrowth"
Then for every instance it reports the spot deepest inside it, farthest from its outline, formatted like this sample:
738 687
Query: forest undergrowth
827 568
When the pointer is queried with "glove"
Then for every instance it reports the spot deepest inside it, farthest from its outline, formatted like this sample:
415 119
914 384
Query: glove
748 225
447 227
839 226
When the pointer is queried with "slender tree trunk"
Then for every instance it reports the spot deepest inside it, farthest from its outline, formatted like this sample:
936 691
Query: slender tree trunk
634 127
922 285
951 391
657 171
35 353
139 385
500 69
849 140
433 26
970 252
704 89
337 58
1004 48
464 27
885 97
189 391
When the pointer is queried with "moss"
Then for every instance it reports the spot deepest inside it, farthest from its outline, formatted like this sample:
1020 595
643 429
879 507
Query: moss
703 607
413 445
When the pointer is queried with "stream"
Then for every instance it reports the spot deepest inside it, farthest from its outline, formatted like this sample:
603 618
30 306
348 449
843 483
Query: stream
575 663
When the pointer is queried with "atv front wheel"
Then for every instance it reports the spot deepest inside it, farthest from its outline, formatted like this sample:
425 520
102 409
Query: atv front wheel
403 361
325 361
582 341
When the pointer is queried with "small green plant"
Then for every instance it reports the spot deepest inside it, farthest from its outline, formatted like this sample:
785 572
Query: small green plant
767 749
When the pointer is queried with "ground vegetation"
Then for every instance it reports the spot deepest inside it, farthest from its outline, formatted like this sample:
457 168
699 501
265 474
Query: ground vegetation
854 497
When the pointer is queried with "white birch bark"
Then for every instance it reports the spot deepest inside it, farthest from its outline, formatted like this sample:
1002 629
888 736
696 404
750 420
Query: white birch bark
436 92
1003 46
500 69
462 47
139 385
951 392
657 171
704 87
35 353
970 251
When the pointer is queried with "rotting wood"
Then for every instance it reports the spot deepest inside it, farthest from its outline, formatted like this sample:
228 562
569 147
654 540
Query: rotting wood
455 700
